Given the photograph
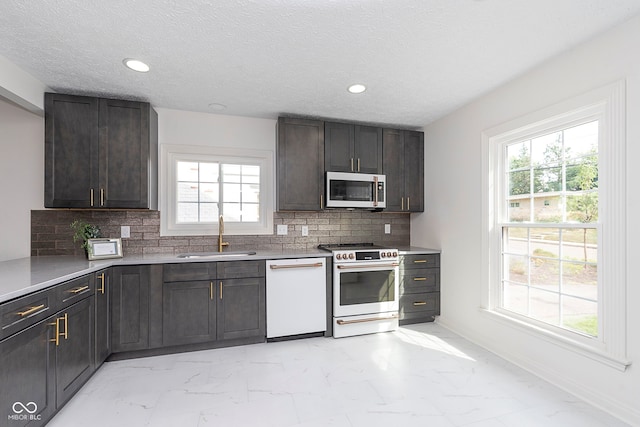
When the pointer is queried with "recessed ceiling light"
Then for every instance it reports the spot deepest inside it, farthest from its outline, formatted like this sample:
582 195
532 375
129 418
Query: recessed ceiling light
217 107
136 65
357 88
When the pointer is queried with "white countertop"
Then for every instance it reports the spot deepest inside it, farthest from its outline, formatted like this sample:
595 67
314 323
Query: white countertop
23 276
26 275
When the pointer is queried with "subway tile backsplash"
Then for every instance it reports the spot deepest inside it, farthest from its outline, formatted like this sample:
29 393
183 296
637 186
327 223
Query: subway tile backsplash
51 234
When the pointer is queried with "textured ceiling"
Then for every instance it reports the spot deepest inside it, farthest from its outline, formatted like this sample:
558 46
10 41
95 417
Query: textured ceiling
419 58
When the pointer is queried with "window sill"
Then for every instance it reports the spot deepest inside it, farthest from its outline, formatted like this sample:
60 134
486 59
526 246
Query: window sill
559 340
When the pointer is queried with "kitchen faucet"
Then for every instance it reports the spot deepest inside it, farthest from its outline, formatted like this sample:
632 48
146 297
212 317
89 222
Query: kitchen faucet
220 232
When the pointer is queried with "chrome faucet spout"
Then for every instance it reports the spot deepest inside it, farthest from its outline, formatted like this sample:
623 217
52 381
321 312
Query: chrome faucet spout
220 233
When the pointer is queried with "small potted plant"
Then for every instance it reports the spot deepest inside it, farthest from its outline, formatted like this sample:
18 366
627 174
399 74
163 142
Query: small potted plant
83 231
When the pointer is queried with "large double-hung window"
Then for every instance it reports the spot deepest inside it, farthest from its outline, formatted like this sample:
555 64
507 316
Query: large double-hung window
555 224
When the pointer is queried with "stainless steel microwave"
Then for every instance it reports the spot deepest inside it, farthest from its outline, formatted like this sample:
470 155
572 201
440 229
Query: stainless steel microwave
356 190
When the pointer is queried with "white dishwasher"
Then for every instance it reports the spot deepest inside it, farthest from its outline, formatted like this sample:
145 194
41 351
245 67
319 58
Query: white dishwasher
296 296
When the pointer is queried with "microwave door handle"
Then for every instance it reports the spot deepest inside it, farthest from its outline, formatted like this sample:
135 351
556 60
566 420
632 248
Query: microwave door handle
375 191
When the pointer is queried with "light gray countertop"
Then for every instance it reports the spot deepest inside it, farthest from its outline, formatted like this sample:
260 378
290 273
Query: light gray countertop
23 276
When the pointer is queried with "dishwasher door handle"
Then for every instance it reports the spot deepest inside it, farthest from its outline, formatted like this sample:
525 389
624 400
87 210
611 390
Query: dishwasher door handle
279 266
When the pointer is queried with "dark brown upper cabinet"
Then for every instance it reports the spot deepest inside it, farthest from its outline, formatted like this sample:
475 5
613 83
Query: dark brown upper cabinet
300 165
403 165
100 153
352 148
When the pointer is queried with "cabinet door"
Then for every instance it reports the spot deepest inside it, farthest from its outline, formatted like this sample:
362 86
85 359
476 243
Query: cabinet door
414 170
338 147
124 154
300 174
130 308
393 168
71 151
27 374
103 318
367 149
241 308
75 353
188 312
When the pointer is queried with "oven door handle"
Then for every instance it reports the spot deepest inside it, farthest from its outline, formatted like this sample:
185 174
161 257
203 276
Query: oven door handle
368 266
368 319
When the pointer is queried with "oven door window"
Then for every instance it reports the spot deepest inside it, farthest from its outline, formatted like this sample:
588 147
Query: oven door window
366 287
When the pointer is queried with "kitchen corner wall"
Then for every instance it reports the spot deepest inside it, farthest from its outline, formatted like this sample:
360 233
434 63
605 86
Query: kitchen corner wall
51 234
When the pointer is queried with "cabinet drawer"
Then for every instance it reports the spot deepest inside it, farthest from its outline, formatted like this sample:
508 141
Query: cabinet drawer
239 269
25 311
424 305
419 261
74 290
188 271
419 280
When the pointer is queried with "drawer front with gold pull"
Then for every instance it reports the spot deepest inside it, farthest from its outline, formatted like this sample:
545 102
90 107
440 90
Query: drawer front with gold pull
74 290
420 280
25 311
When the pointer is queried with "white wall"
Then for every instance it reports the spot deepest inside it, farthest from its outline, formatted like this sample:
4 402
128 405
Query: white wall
189 128
452 220
21 177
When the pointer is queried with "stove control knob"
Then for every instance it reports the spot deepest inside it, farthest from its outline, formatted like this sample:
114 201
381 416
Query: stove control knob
395 254
382 254
338 256
351 256
388 254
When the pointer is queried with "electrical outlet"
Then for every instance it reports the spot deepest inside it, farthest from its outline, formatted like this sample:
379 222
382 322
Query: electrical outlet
125 231
387 229
282 229
305 230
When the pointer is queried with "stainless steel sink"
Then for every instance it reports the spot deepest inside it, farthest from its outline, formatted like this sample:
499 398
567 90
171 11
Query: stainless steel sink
214 255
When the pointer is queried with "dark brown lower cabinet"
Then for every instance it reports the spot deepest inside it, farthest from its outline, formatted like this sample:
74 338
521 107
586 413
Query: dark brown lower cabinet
188 312
419 288
27 376
45 364
197 307
130 308
75 351
103 315
241 308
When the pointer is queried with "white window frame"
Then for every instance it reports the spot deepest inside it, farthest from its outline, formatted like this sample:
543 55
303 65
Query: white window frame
171 154
607 105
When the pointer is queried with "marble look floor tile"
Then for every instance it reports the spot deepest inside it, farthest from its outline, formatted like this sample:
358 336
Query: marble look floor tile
422 375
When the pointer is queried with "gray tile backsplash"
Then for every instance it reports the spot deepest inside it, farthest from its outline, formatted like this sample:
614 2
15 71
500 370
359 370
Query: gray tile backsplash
51 235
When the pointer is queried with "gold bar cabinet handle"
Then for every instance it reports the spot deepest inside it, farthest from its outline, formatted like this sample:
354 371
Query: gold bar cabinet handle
358 164
65 334
419 279
419 261
352 164
57 337
91 197
420 303
321 201
220 290
102 197
401 203
101 290
30 310
408 204
210 290
78 289
368 319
